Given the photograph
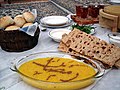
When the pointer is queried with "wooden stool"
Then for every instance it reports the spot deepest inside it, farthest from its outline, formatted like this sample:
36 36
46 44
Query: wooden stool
108 21
110 17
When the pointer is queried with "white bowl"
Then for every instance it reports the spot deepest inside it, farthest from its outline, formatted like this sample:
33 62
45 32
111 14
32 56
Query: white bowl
56 34
114 38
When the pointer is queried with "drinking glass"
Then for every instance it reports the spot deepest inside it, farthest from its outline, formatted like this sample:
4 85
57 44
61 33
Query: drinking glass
78 10
84 11
93 11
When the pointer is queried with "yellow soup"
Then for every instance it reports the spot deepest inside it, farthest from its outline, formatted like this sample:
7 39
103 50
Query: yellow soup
56 69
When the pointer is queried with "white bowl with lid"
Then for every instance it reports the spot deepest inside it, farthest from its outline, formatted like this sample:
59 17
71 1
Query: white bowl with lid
56 34
114 38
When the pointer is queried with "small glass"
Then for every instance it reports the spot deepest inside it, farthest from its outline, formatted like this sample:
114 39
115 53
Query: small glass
78 10
101 6
84 11
94 11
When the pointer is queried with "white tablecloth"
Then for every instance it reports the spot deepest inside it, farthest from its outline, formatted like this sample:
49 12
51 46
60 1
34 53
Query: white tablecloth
10 80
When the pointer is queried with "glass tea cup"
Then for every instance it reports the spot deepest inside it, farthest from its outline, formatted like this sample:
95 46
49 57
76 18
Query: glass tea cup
78 10
93 11
84 11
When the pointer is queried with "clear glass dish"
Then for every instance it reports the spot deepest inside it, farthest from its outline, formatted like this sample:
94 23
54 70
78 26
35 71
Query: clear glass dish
44 85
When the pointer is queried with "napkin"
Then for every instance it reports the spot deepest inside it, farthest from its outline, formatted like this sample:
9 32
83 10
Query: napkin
30 30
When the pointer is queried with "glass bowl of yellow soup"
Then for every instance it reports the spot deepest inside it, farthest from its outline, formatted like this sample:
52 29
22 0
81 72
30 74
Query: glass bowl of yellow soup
57 71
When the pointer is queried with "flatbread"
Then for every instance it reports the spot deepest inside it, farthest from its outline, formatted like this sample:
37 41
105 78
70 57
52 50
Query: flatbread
80 43
62 47
117 64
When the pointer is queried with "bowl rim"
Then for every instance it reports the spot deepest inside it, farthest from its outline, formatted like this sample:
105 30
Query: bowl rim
54 17
113 33
96 75
57 30
56 26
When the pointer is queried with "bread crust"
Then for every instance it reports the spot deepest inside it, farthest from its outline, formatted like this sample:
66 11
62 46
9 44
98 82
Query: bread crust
90 46
29 17
13 27
19 21
6 21
27 24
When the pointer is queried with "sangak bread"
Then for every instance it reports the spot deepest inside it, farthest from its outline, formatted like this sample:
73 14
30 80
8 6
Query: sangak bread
90 46
62 47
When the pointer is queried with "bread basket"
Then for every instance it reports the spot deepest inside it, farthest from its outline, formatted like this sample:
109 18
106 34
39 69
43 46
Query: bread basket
17 41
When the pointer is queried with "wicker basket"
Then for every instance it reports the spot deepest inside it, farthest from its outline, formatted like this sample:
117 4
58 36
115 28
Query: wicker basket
17 41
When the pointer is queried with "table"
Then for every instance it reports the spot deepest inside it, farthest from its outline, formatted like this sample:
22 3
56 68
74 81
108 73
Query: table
9 80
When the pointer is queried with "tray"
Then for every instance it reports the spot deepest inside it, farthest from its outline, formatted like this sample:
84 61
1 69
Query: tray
82 21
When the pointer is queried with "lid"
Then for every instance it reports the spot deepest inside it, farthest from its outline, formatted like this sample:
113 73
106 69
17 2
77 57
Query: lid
112 9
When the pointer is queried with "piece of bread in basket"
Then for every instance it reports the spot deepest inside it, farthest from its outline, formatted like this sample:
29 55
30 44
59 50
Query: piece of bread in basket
12 39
